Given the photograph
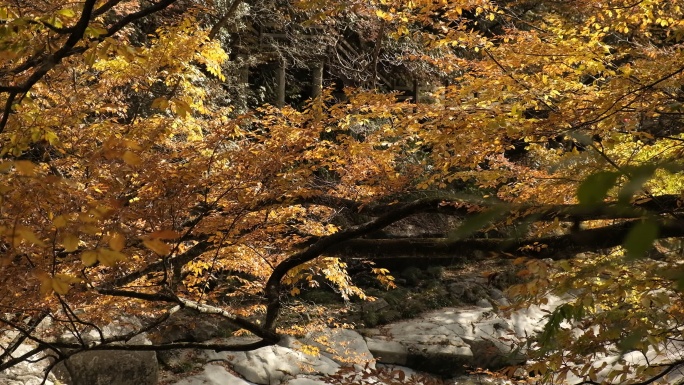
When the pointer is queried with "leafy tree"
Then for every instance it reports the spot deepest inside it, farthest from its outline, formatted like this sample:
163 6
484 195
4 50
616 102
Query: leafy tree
132 175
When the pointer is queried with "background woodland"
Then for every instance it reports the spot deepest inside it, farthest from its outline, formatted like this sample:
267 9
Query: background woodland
224 156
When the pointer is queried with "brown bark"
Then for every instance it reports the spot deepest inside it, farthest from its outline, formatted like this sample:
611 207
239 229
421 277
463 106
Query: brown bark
555 247
317 82
280 78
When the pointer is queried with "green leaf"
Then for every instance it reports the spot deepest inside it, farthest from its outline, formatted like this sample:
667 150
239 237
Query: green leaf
66 12
632 341
595 188
637 177
640 239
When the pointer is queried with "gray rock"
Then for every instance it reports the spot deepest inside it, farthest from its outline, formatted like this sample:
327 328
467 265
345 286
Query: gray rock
447 341
467 291
344 346
110 368
374 306
306 381
478 380
30 372
483 303
496 294
387 352
213 375
190 325
275 364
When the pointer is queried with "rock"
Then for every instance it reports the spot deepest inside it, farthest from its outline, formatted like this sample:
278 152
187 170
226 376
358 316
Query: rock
382 375
102 367
467 291
483 303
388 352
374 306
478 379
447 341
213 375
344 346
272 365
410 375
498 297
110 367
190 325
306 381
29 372
496 294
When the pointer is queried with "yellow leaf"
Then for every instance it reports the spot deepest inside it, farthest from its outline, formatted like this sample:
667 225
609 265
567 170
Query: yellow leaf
89 57
131 158
24 233
6 167
383 15
157 246
45 282
68 278
25 167
59 286
66 12
160 103
181 108
59 222
132 144
117 241
310 350
70 242
110 257
89 258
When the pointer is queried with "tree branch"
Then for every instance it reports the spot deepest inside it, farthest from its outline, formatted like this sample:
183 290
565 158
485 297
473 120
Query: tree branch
273 285
554 247
224 20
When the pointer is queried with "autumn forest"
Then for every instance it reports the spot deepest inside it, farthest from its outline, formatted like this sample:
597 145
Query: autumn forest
226 155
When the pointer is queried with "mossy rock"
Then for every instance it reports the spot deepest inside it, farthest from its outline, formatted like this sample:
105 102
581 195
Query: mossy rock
437 298
370 319
389 316
396 297
413 275
436 272
413 307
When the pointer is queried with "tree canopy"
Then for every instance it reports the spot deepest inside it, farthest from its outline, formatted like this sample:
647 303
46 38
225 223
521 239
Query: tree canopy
137 162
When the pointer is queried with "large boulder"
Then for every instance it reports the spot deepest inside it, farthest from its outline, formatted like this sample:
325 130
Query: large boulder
28 372
271 365
344 346
447 341
110 367
190 325
213 374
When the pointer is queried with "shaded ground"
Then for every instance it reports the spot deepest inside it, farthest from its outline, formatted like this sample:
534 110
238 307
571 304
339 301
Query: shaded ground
419 289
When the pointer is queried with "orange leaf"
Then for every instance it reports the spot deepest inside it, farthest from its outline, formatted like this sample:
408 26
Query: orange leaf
165 234
131 158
